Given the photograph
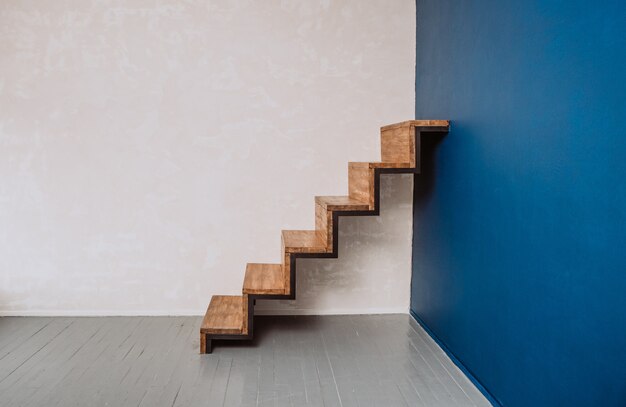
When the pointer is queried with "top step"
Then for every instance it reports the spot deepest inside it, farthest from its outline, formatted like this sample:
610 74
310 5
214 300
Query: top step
425 124
398 143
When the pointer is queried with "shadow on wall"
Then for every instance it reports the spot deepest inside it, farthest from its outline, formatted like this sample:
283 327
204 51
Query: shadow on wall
425 182
347 284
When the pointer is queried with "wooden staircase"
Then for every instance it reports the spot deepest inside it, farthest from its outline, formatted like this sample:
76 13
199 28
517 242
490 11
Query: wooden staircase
231 316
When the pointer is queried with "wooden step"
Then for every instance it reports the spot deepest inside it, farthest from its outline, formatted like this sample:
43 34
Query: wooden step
303 241
443 124
398 143
341 203
264 279
226 315
361 183
376 164
300 241
324 207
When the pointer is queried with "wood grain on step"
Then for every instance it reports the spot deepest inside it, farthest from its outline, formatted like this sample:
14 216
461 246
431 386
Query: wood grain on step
418 123
203 340
303 241
244 303
341 203
361 183
397 144
376 164
286 258
324 207
264 279
397 141
324 223
300 241
225 315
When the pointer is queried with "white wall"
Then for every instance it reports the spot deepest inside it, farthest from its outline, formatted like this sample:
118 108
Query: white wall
149 149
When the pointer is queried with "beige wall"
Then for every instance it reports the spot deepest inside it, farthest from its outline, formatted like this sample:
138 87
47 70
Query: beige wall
149 149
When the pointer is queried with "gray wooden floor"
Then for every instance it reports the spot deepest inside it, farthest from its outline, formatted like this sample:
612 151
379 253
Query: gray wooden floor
366 360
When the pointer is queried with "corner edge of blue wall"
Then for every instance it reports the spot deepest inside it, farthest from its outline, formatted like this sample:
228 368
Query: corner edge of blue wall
494 402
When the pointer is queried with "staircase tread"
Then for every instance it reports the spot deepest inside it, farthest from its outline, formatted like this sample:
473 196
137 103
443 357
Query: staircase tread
418 123
377 164
342 203
225 316
264 279
303 241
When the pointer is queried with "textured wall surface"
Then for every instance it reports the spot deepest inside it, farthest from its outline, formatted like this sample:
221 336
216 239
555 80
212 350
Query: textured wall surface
149 149
520 217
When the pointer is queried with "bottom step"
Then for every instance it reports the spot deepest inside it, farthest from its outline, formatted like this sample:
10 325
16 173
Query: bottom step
227 315
226 318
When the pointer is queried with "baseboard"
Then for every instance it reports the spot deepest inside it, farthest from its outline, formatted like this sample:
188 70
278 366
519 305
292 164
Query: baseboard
332 311
101 313
194 312
468 373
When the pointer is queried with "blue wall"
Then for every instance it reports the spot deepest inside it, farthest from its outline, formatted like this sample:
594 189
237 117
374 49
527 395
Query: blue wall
519 261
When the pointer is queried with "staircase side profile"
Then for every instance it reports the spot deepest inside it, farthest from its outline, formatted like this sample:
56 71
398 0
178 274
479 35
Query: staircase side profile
231 317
